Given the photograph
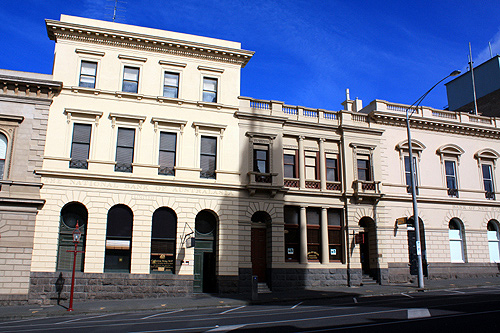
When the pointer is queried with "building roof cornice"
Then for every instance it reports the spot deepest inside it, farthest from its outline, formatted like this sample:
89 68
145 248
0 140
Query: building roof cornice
105 36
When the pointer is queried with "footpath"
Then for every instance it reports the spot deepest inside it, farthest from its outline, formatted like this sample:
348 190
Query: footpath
227 300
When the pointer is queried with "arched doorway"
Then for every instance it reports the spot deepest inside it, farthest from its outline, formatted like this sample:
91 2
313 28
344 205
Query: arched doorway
71 214
260 222
205 262
412 247
368 247
163 232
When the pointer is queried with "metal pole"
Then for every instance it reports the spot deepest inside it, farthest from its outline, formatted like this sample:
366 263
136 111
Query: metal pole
73 280
415 209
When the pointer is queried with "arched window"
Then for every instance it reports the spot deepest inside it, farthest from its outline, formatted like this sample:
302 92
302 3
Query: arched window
163 234
71 214
456 240
118 239
494 241
3 154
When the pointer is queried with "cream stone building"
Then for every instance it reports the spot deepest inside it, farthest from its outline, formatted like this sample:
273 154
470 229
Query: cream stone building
180 185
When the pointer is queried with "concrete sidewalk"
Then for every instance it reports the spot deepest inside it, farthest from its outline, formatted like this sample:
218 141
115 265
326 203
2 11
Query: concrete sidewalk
341 293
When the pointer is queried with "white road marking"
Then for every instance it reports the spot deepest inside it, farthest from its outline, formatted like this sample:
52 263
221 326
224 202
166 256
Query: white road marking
77 319
407 295
227 311
456 291
418 313
162 313
296 305
225 328
355 300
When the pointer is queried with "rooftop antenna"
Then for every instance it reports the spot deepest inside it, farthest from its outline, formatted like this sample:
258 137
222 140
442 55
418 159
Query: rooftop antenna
473 82
115 5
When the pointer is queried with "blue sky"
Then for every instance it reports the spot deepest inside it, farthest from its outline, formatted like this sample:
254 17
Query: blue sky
306 52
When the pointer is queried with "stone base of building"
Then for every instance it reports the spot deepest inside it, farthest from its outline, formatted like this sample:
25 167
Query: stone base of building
13 299
400 272
90 286
283 279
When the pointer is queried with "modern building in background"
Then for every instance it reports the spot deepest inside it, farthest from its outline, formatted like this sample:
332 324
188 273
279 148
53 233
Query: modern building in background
24 108
460 90
180 185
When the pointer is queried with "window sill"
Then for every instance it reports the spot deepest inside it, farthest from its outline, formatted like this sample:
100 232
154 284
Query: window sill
121 94
85 90
202 104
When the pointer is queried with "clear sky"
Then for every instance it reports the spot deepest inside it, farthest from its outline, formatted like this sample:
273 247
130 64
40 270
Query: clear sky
307 52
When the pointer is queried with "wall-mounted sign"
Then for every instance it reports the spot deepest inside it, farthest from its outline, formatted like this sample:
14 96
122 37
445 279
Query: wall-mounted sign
161 262
290 250
333 252
312 255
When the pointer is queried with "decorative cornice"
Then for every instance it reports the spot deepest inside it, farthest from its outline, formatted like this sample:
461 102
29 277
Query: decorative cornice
109 37
422 123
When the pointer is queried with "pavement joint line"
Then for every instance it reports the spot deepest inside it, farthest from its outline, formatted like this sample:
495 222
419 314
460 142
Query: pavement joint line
296 305
162 313
227 311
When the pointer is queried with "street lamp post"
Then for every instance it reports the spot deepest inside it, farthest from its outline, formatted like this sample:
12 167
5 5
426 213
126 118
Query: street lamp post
77 234
416 221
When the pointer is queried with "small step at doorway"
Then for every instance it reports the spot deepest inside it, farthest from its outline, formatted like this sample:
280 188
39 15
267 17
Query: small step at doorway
262 288
367 280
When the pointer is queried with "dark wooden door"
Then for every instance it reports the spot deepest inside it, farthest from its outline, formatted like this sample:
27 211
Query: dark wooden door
259 253
365 252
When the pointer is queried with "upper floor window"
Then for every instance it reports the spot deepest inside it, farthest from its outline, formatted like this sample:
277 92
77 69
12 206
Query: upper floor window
3 154
125 149
408 173
364 167
290 165
168 143
332 169
171 85
88 73
311 163
130 79
208 157
488 181
80 146
210 89
451 178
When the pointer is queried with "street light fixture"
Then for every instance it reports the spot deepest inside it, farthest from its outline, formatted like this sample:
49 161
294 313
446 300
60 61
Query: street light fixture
416 221
77 234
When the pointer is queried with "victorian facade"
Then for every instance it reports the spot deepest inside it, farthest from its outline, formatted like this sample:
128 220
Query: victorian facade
179 185
24 107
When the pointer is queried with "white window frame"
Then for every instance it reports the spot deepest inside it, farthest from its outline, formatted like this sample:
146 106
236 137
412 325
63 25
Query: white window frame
212 130
174 68
90 56
126 121
494 242
457 239
86 117
171 126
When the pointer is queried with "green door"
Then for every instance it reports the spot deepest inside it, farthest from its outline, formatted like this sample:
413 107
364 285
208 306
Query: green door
204 267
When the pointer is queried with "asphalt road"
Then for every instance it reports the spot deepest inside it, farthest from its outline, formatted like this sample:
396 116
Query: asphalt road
462 310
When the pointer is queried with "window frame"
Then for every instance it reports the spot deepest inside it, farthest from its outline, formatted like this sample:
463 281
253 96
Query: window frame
335 168
337 229
368 168
171 72
308 154
203 174
139 70
3 160
172 173
311 240
82 61
217 88
452 192
295 164
295 228
406 170
490 195
119 168
454 241
493 237
80 164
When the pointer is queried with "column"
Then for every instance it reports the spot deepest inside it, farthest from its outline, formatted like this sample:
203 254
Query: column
302 169
303 235
322 164
325 248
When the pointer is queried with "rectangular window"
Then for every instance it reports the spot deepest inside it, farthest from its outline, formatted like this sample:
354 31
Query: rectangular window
335 234
292 239
313 234
171 85
451 178
364 167
408 173
80 146
209 90
166 159
208 155
311 163
488 181
125 149
290 165
332 170
261 163
130 79
88 72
